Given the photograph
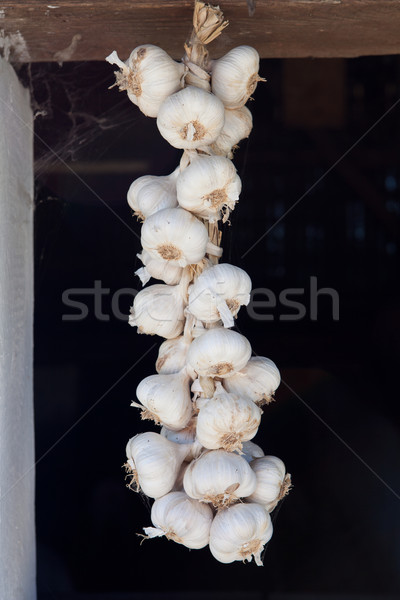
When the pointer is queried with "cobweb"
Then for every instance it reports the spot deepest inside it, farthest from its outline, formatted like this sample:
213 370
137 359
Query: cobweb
73 109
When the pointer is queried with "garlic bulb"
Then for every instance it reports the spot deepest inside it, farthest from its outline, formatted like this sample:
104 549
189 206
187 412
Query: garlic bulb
172 355
272 481
149 76
191 118
218 353
209 187
159 269
240 533
234 77
181 519
154 463
177 237
158 310
218 293
185 436
237 126
150 193
166 399
226 421
250 451
258 380
219 477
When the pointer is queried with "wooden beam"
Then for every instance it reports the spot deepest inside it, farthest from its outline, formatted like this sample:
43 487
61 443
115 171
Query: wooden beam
66 30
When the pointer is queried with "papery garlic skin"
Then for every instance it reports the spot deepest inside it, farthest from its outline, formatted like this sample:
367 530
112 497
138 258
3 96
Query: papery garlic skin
250 451
226 421
166 399
149 76
172 355
218 293
219 352
237 126
154 462
272 481
258 380
234 77
181 519
209 187
240 533
175 236
186 436
150 193
191 118
158 310
158 269
219 477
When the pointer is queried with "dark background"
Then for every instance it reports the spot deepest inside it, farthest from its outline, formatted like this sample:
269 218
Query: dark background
335 420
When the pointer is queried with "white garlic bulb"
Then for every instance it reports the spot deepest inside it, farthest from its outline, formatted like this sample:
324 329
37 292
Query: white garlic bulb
172 355
272 481
258 380
185 436
237 126
181 519
240 533
166 399
154 463
209 187
234 77
150 193
219 477
159 309
226 421
218 352
218 293
191 118
149 76
177 237
250 451
159 269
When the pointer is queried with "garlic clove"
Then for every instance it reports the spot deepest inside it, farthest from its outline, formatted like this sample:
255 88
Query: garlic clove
237 126
166 399
240 533
234 77
191 118
258 380
209 187
218 293
219 477
181 519
153 462
226 421
175 236
150 193
149 76
219 352
272 481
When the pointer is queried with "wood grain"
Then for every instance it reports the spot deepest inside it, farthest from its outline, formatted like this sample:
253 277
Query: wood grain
74 30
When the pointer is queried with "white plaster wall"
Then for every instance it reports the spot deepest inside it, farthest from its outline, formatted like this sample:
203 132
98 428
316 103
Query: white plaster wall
17 522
